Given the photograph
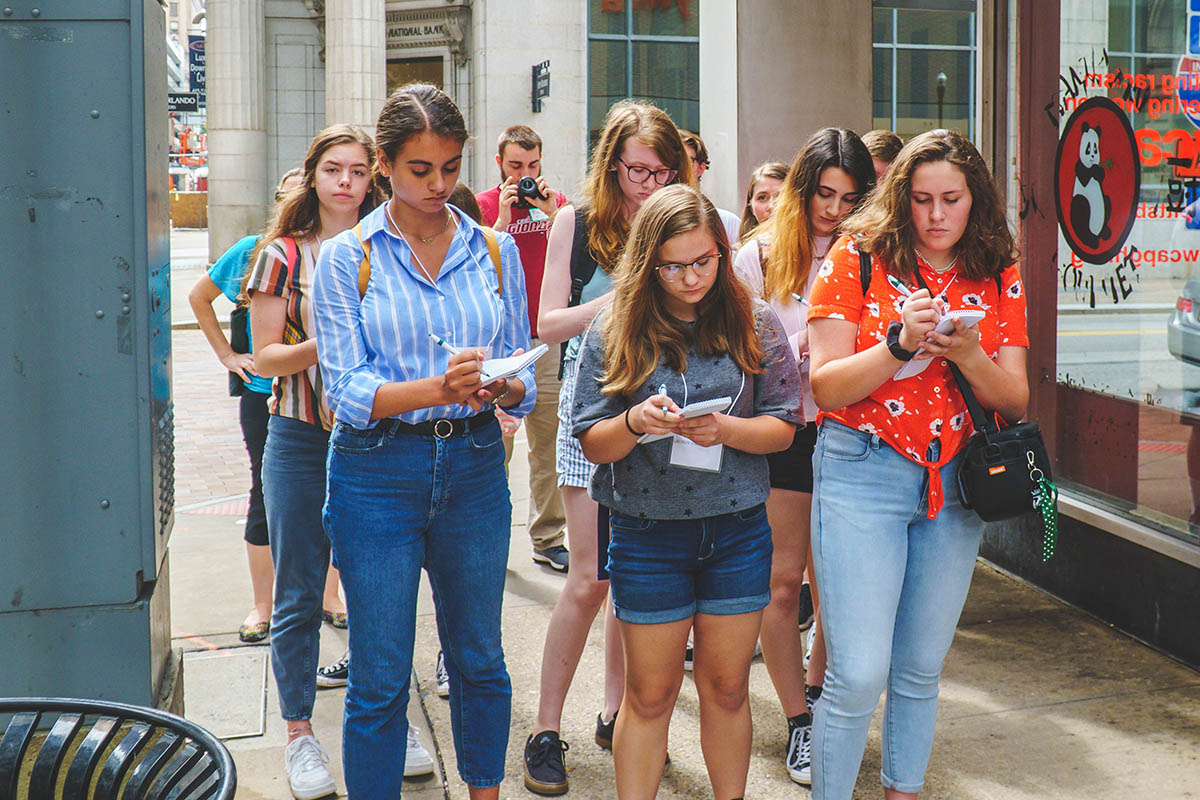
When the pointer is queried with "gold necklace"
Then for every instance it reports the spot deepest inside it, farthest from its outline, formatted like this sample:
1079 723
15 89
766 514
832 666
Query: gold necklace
423 239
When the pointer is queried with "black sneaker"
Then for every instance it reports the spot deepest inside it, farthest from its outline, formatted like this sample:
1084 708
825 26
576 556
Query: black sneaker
335 674
806 607
604 731
799 751
545 771
556 558
689 657
812 694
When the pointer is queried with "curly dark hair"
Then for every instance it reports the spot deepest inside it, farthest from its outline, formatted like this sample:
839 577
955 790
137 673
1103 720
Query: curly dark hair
884 224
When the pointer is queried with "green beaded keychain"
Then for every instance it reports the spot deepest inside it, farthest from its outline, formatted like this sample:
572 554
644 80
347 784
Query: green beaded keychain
1045 502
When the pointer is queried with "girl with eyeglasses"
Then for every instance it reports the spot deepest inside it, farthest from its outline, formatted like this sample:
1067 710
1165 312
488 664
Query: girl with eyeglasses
690 547
827 179
638 152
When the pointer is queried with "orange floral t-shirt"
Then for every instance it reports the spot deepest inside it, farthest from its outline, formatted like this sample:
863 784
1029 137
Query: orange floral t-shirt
910 413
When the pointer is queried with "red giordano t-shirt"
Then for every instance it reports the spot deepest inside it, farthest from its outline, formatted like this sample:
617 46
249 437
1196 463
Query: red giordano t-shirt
908 414
530 235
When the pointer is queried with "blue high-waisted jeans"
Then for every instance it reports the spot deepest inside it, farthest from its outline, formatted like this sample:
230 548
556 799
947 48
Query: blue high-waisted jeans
293 475
893 583
397 504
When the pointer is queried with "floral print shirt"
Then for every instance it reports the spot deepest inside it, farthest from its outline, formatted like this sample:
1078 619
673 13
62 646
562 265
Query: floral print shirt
911 413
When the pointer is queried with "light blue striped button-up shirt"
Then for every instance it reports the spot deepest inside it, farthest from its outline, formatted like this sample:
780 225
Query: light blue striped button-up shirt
384 336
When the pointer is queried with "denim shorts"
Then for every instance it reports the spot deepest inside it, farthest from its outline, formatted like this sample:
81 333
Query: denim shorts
671 569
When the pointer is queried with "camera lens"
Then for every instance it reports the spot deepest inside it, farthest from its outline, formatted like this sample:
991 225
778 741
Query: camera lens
527 187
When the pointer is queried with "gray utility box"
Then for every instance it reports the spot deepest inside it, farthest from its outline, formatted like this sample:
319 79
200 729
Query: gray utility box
86 455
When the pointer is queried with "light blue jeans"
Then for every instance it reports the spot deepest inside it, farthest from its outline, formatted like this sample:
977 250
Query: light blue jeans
293 476
397 503
893 583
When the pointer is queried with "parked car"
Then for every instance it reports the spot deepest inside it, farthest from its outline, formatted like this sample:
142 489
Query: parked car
1183 329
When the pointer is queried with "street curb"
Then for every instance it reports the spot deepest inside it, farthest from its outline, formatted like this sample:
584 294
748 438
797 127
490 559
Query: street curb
1124 308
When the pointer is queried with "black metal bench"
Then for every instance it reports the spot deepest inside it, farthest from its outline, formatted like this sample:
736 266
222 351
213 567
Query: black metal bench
140 752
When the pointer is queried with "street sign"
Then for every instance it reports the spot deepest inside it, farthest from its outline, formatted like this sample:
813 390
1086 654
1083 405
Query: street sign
183 101
196 66
541 83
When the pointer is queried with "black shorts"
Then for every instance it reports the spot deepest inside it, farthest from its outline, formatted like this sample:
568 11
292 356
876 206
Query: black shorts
792 468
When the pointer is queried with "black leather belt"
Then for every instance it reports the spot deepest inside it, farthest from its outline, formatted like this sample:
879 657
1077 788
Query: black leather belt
439 428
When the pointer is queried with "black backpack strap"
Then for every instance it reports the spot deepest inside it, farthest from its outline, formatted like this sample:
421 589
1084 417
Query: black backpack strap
583 267
864 269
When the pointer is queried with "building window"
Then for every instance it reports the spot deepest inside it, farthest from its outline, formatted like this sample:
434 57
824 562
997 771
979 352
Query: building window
1128 344
924 48
645 49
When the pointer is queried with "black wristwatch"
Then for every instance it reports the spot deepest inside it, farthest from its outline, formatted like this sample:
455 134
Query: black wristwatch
893 342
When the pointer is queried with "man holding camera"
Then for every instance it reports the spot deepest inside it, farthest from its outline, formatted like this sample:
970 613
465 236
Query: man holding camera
524 206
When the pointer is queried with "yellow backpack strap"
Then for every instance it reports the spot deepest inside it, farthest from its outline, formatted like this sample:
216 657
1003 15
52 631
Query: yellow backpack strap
494 253
364 268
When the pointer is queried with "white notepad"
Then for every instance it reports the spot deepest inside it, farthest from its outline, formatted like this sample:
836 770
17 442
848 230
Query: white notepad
714 406
497 369
945 326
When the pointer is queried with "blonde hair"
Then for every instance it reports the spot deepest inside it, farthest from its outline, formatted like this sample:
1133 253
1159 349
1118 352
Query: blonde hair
884 224
607 227
639 333
790 258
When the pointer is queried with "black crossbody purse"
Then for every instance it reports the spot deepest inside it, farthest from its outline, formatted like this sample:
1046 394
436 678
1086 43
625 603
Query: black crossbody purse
1005 473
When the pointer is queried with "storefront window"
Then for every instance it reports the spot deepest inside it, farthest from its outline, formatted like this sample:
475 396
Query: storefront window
933 52
1128 359
645 49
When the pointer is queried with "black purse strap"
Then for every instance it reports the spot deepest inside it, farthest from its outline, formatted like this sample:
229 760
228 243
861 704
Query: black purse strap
979 418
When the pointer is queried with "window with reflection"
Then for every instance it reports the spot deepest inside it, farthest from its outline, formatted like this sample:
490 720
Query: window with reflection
645 49
924 66
1128 349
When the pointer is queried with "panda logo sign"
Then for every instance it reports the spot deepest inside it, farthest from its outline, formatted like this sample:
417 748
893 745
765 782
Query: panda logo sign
1099 179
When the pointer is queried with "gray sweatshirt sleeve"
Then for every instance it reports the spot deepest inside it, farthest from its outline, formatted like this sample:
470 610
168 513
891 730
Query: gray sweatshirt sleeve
777 390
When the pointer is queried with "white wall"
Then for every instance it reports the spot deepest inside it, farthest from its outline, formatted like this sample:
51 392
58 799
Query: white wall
295 86
719 103
508 38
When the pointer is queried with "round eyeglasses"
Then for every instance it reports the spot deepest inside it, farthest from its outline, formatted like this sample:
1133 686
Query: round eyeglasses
703 267
639 174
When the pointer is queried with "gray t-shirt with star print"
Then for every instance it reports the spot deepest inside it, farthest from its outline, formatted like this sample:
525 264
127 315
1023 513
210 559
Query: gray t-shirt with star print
644 483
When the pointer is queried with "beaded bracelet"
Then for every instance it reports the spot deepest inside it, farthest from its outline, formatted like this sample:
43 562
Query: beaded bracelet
630 427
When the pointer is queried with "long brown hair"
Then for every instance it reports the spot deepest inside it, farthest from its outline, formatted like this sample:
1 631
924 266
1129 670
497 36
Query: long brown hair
298 213
771 169
790 258
608 229
884 224
639 332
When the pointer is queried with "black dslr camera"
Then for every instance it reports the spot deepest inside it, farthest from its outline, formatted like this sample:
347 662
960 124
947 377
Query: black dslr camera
527 188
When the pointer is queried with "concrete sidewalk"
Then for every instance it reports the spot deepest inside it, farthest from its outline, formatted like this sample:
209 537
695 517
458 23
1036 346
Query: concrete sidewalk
1038 699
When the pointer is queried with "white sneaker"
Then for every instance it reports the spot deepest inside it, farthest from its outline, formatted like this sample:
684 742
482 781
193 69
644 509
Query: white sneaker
441 676
417 760
799 755
304 761
809 638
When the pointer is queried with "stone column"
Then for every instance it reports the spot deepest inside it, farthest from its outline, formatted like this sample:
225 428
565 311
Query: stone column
355 62
238 190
